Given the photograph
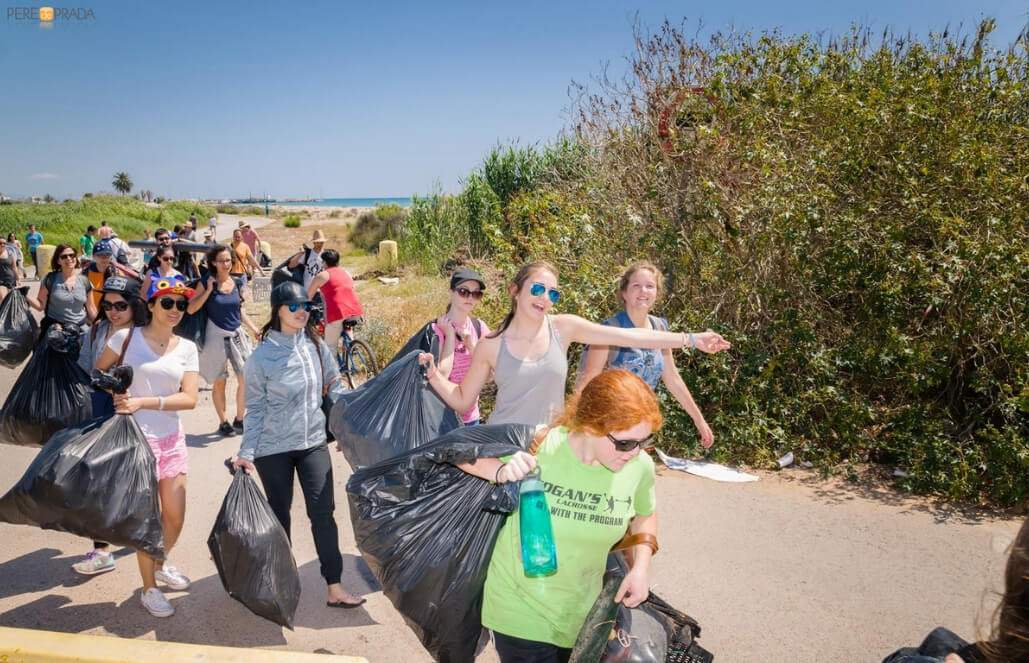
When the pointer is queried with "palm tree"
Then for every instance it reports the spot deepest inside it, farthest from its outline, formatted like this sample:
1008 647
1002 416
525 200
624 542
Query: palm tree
122 182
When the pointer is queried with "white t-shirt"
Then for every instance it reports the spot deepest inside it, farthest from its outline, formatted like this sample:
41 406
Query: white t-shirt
312 267
154 375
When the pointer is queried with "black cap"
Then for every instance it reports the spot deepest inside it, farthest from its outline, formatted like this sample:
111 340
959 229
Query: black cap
288 292
126 286
466 274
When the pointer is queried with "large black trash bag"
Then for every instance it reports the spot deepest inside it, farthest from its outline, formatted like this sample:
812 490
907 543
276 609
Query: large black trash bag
97 480
394 412
252 553
423 340
652 632
427 529
51 393
18 329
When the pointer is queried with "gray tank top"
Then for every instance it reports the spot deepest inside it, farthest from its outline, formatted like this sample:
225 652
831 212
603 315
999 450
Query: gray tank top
530 392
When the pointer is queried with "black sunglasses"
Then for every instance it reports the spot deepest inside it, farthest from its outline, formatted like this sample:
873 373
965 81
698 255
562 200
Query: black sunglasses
167 303
294 307
167 258
117 306
629 445
465 292
64 256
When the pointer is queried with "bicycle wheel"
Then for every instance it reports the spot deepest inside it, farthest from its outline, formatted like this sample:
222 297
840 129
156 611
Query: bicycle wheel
362 364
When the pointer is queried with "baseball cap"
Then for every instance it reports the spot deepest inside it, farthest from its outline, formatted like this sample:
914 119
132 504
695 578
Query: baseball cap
122 285
172 285
103 248
288 292
466 274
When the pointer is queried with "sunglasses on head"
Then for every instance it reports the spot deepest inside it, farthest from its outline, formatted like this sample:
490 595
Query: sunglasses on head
466 293
629 445
296 306
538 289
167 303
117 306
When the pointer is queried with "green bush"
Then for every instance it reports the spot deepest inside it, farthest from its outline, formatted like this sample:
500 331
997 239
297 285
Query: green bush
851 214
291 221
384 222
66 222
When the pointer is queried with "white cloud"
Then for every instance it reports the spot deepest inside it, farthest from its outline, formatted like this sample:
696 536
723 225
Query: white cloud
44 176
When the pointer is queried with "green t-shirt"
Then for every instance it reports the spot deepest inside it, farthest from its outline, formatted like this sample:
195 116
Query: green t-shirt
86 243
590 508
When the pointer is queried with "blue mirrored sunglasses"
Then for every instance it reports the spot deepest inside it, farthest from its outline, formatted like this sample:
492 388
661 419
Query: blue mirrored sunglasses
538 289
293 308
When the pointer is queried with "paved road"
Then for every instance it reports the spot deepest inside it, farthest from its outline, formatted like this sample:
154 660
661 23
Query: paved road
791 568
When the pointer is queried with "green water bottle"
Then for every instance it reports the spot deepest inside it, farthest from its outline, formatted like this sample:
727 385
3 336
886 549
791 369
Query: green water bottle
539 556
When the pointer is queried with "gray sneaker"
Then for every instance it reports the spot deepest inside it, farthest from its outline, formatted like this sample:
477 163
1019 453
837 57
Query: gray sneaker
156 603
95 562
170 576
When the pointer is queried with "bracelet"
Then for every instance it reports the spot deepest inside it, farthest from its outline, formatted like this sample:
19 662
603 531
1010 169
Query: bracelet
160 402
693 342
496 479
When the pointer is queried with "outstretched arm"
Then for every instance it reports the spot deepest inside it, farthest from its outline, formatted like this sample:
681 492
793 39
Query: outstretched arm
670 376
574 329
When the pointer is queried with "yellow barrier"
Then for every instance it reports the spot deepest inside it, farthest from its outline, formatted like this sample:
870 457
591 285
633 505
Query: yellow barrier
387 254
44 253
31 646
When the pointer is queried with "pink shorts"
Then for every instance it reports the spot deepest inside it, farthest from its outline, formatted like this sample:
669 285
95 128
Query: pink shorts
170 454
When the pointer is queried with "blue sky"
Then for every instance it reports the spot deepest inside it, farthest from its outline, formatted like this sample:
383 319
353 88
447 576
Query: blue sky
222 99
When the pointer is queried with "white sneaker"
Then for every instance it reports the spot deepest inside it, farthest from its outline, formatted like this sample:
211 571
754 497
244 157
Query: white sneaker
170 576
95 562
156 604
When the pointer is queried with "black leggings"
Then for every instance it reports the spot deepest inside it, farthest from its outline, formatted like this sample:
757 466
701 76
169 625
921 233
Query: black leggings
518 650
314 468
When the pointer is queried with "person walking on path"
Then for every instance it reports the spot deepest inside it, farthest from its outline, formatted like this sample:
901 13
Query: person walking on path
14 248
243 261
310 258
121 307
164 261
65 295
33 239
87 241
225 339
640 287
164 382
212 225
593 448
459 332
341 302
9 279
284 427
103 266
528 354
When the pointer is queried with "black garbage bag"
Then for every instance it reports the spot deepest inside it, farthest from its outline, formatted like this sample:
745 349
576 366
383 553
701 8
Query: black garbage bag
51 393
97 480
652 632
427 529
193 326
423 340
394 412
252 553
18 328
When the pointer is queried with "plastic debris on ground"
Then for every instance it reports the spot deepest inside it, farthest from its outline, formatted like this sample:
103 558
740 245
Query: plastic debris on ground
703 468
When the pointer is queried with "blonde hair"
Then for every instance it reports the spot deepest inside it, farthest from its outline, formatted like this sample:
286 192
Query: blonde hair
639 265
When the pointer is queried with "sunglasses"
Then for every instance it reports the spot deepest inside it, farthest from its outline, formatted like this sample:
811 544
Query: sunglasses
117 306
167 303
167 258
466 293
629 445
538 289
293 308
65 256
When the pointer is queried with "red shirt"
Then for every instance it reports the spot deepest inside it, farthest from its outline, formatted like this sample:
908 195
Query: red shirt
340 299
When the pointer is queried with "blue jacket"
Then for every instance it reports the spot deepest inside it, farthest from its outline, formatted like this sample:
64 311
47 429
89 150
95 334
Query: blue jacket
284 380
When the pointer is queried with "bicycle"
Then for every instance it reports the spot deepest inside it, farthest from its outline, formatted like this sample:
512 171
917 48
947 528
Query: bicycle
357 363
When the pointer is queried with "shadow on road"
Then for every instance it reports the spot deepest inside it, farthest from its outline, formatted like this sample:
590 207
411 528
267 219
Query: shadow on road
38 571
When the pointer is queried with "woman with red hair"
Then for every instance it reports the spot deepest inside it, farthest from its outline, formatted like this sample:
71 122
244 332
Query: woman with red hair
598 482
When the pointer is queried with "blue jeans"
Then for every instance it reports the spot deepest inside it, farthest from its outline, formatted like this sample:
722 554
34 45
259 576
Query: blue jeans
517 650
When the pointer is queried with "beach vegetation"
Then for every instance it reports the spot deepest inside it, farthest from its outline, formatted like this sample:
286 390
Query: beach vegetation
335 214
122 182
66 222
850 213
291 221
383 222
